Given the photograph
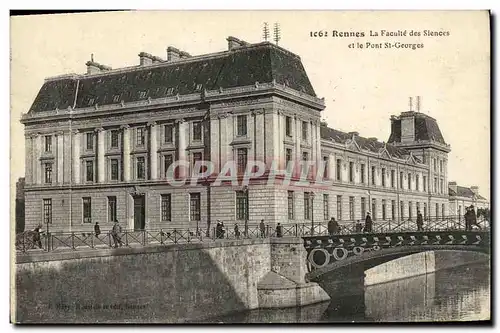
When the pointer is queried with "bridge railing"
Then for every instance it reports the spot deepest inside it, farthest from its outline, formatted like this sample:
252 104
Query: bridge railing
132 238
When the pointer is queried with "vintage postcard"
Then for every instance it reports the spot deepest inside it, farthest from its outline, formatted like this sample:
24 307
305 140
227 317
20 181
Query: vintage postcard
250 167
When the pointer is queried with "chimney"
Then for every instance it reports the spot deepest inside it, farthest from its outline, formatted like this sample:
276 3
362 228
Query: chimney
145 59
418 104
94 67
173 54
233 43
411 103
354 134
184 55
453 186
475 189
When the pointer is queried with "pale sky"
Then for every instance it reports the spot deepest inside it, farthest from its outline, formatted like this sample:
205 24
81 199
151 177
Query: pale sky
362 87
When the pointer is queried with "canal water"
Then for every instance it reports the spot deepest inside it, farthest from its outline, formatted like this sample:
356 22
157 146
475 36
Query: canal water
457 294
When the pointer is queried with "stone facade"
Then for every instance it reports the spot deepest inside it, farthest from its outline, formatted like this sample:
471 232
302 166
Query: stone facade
97 151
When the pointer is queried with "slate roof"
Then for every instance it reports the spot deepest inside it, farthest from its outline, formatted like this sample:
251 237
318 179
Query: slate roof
464 192
372 145
426 128
263 63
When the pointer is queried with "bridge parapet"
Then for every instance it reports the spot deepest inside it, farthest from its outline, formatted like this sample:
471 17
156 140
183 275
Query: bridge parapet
323 252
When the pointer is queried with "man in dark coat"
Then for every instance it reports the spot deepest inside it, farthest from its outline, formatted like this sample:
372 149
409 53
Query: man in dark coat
97 229
467 219
262 228
420 221
368 223
333 226
279 230
236 231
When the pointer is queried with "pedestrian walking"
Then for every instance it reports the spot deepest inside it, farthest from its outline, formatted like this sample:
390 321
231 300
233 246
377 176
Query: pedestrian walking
333 226
97 229
236 231
262 228
420 221
116 234
279 230
368 223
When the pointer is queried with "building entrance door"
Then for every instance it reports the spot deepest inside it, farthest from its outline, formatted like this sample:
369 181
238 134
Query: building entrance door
139 212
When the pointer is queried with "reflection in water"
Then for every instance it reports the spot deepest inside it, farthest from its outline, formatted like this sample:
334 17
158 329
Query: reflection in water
457 294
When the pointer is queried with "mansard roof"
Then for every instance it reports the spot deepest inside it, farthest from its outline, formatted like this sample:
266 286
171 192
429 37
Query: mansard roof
244 66
426 128
370 144
464 192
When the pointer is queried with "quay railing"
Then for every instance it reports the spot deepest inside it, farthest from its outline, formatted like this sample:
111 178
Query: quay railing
64 241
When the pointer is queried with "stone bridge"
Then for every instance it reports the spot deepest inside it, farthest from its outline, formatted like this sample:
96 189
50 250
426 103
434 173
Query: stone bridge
327 254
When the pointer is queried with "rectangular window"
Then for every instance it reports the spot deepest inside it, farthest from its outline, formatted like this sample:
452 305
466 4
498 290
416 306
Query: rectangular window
48 173
339 207
194 206
383 178
443 213
326 210
393 210
288 126
409 181
197 157
242 160
288 155
197 131
48 143
401 180
307 206
291 210
241 205
425 183
441 187
115 135
373 175
112 209
169 133
363 174
87 210
141 137
363 207
437 210
166 207
305 126
338 170
241 125
325 167
402 209
351 208
167 162
384 204
140 164
351 172
89 170
440 166
417 182
410 208
114 169
435 185
393 176
47 211
435 165
305 156
90 141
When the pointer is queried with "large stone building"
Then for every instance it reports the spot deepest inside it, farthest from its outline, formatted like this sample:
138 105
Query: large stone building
99 145
462 197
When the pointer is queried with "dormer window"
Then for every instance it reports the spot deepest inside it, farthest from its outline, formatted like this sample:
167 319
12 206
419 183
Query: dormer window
142 94
198 87
91 101
116 98
169 91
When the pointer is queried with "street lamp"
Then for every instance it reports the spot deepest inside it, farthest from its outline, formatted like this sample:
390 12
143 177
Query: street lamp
245 190
312 213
